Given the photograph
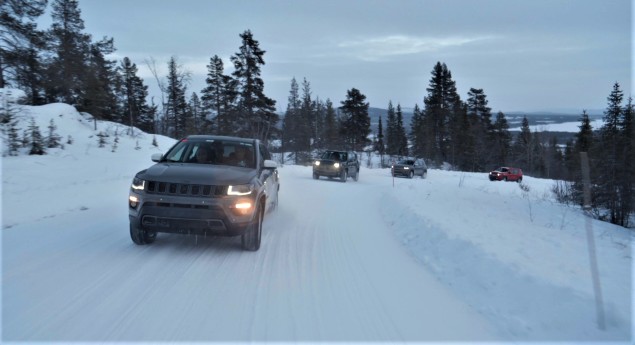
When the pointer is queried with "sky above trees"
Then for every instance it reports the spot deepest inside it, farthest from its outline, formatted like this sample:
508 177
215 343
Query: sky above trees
526 56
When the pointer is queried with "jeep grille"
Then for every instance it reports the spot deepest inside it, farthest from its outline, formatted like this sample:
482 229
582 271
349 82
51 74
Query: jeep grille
156 187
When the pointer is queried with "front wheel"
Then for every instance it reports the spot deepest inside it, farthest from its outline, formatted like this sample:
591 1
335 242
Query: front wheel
252 238
412 174
356 176
343 176
141 236
316 176
424 175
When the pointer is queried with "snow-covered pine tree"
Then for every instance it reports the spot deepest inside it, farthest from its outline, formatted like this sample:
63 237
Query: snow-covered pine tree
53 139
37 147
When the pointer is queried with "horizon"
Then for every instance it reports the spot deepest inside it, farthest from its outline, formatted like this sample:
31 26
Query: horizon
527 57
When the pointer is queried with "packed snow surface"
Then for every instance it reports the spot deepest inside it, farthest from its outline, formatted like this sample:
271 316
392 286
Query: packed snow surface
453 257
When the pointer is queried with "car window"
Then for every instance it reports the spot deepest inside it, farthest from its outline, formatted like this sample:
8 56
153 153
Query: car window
177 153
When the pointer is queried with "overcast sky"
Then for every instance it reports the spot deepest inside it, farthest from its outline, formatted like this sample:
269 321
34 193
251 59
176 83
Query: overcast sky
526 55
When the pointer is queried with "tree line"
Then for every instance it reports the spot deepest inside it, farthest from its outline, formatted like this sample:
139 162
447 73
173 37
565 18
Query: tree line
463 135
64 64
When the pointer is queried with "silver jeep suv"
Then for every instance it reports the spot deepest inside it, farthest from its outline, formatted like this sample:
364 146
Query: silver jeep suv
205 185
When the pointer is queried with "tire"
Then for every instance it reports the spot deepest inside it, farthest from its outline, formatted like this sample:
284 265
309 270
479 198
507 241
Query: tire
316 176
356 176
412 174
343 176
520 179
505 178
140 236
424 175
251 239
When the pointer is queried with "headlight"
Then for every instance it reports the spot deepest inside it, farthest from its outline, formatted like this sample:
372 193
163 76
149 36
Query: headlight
337 165
133 201
137 184
406 168
316 163
243 189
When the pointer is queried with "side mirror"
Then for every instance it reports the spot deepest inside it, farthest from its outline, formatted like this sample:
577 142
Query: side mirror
156 157
269 164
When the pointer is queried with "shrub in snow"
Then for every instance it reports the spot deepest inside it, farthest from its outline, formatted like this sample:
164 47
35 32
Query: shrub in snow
37 148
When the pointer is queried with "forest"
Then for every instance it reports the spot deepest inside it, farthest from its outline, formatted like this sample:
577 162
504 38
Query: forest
65 64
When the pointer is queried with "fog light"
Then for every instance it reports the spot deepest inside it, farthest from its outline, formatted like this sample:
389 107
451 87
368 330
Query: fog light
242 208
133 201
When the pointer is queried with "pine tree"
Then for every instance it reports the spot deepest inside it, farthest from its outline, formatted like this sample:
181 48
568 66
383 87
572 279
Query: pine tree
101 139
627 145
68 68
53 139
134 92
257 111
502 140
294 136
356 122
481 129
219 96
37 147
101 84
307 117
176 107
441 105
197 123
522 147
608 178
379 145
331 127
9 125
417 132
13 138
19 43
402 139
392 140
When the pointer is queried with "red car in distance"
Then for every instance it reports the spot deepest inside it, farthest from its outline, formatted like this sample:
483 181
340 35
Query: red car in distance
506 174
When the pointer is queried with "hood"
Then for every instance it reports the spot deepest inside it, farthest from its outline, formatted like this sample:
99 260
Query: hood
205 174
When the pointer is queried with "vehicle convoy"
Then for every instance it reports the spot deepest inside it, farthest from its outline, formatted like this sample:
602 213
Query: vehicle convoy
410 168
340 164
205 185
506 174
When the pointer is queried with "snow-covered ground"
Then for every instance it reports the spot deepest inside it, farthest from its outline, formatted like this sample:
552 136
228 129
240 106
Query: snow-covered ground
453 257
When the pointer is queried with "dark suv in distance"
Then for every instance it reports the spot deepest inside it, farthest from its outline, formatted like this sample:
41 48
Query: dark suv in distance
205 185
506 174
409 168
341 164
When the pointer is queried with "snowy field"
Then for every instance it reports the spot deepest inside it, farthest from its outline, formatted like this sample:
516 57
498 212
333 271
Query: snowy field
453 257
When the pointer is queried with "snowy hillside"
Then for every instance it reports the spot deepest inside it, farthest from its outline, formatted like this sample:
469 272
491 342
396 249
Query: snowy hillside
453 257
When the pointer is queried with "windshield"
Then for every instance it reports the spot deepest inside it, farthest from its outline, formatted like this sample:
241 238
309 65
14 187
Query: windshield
406 162
336 156
214 152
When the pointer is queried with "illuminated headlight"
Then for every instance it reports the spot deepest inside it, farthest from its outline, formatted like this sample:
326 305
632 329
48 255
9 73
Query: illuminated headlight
406 168
243 189
317 163
137 184
133 201
242 208
337 165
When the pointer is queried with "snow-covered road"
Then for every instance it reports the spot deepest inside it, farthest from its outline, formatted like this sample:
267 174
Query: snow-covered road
325 272
451 257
